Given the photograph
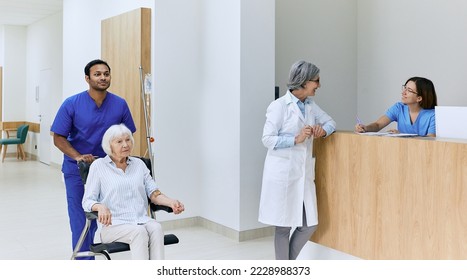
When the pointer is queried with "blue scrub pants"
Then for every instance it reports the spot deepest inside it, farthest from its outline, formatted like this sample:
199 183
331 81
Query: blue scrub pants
74 196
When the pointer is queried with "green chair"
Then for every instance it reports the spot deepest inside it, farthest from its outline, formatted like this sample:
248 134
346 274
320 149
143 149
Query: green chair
21 134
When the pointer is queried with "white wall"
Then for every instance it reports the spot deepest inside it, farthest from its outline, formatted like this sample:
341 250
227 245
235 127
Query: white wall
27 51
400 39
324 33
14 73
44 52
2 42
220 111
257 71
211 76
177 64
82 35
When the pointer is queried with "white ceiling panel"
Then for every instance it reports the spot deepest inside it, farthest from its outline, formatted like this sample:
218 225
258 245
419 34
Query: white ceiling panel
26 12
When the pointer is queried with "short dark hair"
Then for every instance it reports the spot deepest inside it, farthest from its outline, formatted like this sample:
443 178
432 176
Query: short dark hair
92 63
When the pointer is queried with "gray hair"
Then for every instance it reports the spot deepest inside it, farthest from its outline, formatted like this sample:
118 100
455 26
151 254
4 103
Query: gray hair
116 130
301 72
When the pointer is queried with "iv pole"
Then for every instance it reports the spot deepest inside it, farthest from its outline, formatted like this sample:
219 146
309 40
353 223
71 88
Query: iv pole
149 139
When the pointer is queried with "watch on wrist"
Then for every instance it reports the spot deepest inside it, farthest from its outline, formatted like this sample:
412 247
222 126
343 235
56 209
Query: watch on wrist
157 193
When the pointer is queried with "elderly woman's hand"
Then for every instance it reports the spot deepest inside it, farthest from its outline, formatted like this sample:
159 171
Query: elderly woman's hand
103 215
177 206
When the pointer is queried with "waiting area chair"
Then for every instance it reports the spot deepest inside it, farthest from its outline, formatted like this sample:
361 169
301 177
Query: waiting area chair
105 249
21 134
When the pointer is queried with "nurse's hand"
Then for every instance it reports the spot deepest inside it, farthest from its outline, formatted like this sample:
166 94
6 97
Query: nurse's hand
88 158
360 128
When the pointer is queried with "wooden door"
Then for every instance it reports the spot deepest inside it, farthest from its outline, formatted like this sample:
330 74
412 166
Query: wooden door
126 46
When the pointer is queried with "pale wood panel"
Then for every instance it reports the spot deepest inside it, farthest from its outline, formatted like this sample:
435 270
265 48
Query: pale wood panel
392 198
126 45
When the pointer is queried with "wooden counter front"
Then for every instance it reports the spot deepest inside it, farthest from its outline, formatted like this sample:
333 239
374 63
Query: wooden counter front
392 198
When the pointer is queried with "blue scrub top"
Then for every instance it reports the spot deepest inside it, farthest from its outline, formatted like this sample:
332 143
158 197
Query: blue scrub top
423 125
84 124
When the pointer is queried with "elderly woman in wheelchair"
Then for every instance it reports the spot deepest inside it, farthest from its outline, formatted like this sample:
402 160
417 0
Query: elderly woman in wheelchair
118 187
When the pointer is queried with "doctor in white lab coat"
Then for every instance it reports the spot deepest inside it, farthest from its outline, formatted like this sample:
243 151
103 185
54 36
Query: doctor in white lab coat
288 195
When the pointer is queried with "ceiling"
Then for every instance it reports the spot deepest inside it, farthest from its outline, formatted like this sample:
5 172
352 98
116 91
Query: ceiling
26 12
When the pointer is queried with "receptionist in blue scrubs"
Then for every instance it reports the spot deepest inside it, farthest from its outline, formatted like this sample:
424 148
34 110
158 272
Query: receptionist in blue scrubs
414 114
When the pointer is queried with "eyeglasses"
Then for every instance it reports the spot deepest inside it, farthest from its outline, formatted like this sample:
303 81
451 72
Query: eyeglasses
316 81
409 90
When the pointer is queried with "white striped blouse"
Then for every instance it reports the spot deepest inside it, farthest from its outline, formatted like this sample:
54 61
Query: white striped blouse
124 193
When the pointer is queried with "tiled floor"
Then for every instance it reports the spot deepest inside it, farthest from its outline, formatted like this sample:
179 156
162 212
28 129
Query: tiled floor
35 224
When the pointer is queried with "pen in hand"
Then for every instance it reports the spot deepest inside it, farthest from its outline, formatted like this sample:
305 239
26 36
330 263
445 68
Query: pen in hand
359 127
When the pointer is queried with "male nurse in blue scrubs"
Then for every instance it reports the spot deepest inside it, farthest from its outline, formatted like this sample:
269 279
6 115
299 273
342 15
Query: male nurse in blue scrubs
77 130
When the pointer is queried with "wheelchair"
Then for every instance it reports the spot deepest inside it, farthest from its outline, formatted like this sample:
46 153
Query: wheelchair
105 249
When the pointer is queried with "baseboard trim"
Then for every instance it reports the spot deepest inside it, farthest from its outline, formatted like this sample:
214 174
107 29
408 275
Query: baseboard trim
15 156
218 228
36 158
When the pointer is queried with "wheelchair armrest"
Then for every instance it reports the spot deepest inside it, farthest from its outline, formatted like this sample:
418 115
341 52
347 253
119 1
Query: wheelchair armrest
155 207
91 215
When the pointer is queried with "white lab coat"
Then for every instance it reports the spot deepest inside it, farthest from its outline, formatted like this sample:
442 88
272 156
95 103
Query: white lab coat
289 173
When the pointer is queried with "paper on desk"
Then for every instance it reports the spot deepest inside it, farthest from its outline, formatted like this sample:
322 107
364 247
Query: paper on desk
401 135
389 134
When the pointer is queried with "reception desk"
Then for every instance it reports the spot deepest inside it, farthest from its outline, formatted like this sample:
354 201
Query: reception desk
392 198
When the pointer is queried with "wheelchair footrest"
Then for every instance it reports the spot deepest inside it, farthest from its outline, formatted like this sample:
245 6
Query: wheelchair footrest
170 239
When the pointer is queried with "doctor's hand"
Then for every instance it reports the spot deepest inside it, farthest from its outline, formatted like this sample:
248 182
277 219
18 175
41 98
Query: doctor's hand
318 131
305 133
